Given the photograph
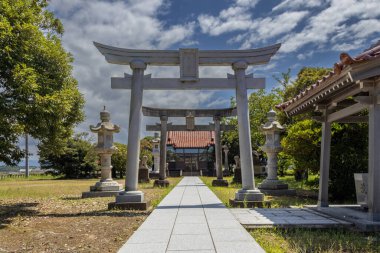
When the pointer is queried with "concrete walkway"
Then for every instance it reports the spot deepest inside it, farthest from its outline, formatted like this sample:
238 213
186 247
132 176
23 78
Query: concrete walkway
191 219
285 217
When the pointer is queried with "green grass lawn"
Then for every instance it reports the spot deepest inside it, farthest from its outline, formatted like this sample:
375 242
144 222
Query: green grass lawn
276 240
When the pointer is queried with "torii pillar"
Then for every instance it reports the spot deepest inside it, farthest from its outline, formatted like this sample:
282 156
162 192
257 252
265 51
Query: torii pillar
248 192
219 181
162 181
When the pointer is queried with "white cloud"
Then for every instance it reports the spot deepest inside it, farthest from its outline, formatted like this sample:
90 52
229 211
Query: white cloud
129 24
235 18
298 4
330 21
270 27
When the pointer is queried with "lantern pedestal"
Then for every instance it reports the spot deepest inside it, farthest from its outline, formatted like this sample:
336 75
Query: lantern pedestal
219 182
275 188
161 183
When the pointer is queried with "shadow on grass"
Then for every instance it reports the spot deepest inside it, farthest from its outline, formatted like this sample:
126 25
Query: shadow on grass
7 212
100 213
71 198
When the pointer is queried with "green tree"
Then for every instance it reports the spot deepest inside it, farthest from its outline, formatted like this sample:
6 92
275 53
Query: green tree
79 158
38 94
119 160
260 103
302 145
146 147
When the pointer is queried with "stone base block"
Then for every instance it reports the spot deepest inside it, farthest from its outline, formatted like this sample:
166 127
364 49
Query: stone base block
97 194
130 196
130 205
237 176
143 175
249 195
268 184
280 192
219 182
249 204
161 183
154 175
106 186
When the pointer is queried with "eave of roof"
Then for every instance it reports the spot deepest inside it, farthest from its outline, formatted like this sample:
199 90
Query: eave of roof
341 72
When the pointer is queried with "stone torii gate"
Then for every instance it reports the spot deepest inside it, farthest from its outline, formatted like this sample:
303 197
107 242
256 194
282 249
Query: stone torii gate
189 60
190 115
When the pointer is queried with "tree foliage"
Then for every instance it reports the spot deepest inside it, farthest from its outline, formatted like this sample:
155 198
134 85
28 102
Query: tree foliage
302 145
260 103
79 158
119 160
146 147
38 94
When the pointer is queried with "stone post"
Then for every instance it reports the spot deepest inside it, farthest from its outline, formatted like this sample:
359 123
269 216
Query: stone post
162 181
271 185
226 166
144 170
218 155
131 194
237 170
248 191
156 153
106 187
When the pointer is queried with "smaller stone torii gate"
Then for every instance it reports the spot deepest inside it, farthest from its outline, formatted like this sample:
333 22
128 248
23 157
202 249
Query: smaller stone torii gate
189 60
190 115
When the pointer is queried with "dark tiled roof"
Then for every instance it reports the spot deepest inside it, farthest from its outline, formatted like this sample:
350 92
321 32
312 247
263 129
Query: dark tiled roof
191 139
345 60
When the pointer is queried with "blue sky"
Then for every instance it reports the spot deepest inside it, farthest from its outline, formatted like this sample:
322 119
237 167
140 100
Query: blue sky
312 33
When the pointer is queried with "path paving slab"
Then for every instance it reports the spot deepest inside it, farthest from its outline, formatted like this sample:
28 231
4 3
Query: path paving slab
285 217
191 219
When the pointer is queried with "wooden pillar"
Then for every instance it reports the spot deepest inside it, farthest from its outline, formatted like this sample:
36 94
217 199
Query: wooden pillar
323 197
374 155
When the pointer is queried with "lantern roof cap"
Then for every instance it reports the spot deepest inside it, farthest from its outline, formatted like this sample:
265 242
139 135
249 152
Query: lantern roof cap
272 123
105 124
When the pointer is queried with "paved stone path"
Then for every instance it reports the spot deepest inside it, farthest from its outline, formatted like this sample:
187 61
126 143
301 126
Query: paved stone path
191 219
285 217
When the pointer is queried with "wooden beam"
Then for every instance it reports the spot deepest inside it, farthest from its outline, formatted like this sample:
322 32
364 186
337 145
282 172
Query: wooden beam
346 112
348 120
176 84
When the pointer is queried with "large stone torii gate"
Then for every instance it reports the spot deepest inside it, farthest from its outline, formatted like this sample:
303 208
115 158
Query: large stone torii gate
190 115
189 60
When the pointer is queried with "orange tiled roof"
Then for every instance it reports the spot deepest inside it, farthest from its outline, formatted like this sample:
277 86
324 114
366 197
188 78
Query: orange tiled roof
345 60
191 139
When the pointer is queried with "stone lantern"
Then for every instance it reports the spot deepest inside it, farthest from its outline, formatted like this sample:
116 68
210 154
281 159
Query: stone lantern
272 129
106 187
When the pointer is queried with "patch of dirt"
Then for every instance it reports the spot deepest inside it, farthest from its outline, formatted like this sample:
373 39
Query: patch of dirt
66 224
